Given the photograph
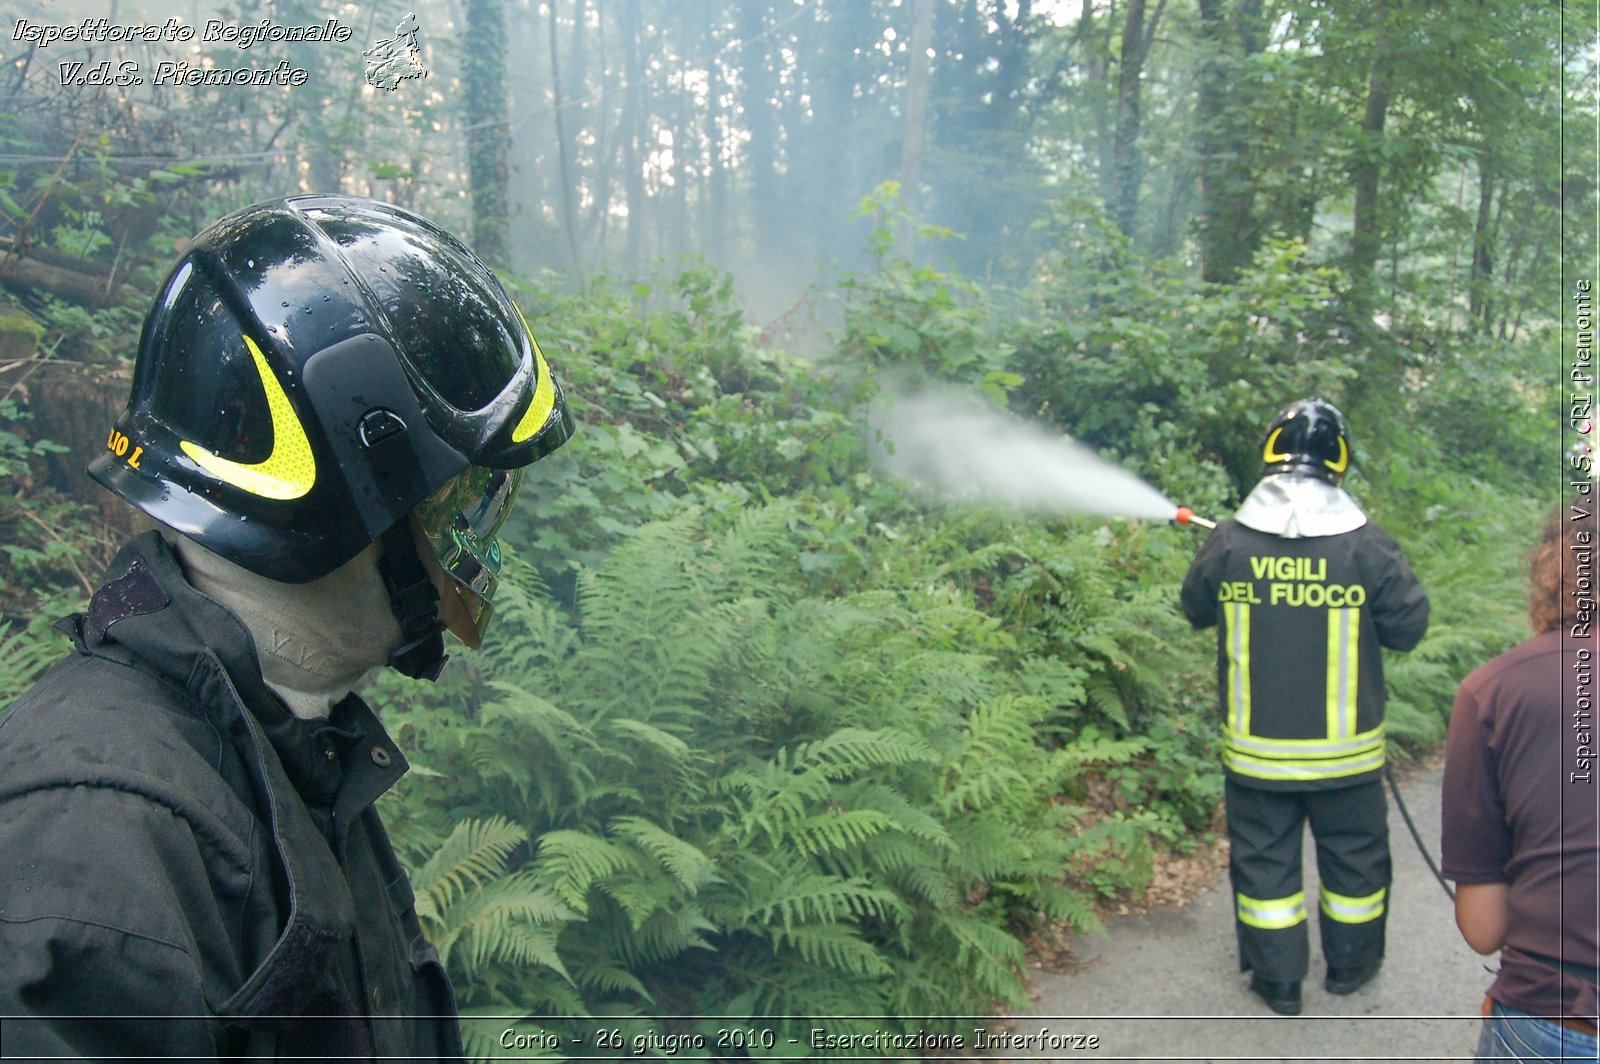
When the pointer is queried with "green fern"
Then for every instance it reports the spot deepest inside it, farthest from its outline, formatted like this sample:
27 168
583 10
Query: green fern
474 854
570 862
25 652
469 904
691 868
733 789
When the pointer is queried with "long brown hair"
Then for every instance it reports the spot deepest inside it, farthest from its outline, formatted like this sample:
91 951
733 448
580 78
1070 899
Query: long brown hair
1554 569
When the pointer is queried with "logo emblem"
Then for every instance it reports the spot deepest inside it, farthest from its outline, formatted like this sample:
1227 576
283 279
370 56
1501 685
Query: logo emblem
396 59
290 470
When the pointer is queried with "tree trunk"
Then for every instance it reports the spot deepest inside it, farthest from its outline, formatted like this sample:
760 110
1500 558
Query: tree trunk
1366 237
760 106
77 285
632 168
1229 229
316 140
914 138
483 85
1127 161
716 208
1478 301
1097 72
576 118
564 149
683 146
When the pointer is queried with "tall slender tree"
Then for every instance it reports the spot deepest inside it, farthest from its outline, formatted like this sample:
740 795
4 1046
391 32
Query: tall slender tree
916 121
483 83
1229 230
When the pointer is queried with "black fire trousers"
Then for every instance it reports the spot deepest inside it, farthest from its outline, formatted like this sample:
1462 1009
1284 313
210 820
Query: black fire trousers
1351 829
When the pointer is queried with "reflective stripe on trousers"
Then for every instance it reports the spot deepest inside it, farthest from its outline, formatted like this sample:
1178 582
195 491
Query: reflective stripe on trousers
1273 913
1348 910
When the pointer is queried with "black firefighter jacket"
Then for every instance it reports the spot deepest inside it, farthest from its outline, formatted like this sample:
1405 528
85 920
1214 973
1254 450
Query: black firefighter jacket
178 847
1301 624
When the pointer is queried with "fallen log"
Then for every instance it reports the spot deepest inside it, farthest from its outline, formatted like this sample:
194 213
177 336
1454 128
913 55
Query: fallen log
89 289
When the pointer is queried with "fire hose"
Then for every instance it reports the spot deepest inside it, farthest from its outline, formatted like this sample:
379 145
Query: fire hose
1186 516
1416 835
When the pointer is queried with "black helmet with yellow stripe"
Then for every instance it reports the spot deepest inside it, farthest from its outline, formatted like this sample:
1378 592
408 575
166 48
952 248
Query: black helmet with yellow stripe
316 368
1309 437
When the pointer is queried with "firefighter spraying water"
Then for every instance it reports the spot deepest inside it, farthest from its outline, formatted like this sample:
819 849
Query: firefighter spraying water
1303 590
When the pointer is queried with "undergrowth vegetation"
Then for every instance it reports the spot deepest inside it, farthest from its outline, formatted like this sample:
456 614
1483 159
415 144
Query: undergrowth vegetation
760 734
757 733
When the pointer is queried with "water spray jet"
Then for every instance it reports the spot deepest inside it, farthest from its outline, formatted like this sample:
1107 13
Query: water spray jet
955 447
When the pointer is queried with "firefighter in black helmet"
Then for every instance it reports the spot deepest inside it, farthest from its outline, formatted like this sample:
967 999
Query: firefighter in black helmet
332 404
1304 590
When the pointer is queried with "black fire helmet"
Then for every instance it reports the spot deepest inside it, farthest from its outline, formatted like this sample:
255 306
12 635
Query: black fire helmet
1309 436
312 370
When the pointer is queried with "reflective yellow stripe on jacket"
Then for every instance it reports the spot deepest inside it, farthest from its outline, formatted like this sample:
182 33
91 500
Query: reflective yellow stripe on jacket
1239 668
1342 751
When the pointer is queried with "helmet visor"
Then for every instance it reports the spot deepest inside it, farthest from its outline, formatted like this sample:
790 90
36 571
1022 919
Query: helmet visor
460 521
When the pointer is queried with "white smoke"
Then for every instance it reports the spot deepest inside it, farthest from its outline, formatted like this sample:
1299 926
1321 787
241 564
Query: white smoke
959 449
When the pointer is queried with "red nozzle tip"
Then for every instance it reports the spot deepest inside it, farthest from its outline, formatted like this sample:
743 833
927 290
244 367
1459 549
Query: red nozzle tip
1185 515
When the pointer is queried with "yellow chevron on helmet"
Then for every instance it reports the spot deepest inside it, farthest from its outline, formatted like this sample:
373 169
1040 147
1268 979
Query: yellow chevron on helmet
290 470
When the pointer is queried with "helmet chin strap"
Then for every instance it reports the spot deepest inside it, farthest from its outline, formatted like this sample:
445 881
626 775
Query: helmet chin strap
415 602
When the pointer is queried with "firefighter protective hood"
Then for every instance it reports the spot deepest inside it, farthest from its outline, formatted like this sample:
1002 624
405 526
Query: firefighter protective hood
1298 506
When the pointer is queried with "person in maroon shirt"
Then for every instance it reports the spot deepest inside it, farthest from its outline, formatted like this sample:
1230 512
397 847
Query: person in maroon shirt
1519 834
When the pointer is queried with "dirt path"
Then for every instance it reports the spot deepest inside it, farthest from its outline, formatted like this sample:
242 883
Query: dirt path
1165 985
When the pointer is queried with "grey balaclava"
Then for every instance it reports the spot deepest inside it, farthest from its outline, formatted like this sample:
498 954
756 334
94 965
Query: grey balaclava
1298 506
315 641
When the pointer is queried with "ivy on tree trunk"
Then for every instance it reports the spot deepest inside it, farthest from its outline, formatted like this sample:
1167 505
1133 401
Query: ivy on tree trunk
483 79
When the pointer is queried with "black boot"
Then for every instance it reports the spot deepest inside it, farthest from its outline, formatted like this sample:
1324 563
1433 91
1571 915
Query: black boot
1282 998
1349 980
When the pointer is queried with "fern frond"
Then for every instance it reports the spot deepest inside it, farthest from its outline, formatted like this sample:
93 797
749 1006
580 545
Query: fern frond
805 897
991 957
610 979
980 783
667 935
570 862
987 848
25 652
682 860
655 740
1058 904
473 854
836 946
534 713
835 830
930 883
915 820
851 750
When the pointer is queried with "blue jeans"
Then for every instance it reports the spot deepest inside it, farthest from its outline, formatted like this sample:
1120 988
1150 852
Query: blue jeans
1512 1035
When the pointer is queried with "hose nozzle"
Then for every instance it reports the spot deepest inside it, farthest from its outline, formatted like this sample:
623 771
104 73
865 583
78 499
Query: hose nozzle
1186 516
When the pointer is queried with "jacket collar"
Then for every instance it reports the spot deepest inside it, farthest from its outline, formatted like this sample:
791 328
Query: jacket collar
311 778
